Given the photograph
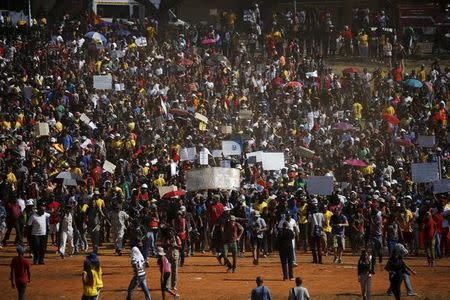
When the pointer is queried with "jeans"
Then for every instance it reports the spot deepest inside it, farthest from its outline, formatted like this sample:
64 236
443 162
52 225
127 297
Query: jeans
377 248
142 282
303 236
174 260
38 245
316 247
152 236
234 249
21 291
437 248
408 285
18 227
66 237
365 280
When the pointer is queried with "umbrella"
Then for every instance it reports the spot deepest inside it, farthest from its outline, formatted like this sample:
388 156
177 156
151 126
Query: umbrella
355 163
96 36
207 42
351 70
186 62
391 119
178 112
174 194
177 69
344 126
414 83
68 178
217 59
294 84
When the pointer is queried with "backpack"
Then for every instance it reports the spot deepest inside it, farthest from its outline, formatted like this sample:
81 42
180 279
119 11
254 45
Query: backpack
318 231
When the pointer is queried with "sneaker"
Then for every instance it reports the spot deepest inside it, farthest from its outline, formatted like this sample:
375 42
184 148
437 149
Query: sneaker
295 265
412 294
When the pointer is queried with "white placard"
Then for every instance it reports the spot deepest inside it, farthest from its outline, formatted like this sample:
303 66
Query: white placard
311 74
109 167
203 158
201 118
231 148
188 154
245 114
425 172
426 141
320 185
173 169
141 41
225 163
41 129
273 161
92 125
119 87
257 154
226 129
162 190
441 186
118 54
85 119
213 178
102 82
217 153
86 143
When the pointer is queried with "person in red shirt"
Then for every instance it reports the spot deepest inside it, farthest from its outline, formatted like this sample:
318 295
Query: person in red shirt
347 35
438 217
20 272
397 73
13 220
215 210
429 229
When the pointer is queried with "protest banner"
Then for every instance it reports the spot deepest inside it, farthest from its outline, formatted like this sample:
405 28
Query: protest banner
425 172
162 190
203 157
217 153
320 185
85 119
201 118
109 167
426 141
188 153
231 148
102 82
119 87
226 129
245 114
213 178
441 186
41 129
272 161
257 154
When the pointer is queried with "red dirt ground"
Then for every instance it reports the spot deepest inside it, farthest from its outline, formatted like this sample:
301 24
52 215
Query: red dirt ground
202 278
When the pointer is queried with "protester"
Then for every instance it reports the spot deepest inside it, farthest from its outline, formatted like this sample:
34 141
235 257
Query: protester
38 224
298 292
285 250
165 270
231 234
260 292
365 273
139 278
20 274
338 223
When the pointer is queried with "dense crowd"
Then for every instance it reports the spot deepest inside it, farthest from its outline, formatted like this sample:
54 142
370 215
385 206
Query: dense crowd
54 185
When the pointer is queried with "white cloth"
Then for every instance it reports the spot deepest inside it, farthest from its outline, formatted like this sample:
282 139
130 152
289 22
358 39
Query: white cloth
137 261
38 223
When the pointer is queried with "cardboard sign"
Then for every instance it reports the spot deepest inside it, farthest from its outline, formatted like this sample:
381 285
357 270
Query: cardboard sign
257 154
141 41
217 153
119 87
203 158
245 114
213 178
426 141
226 129
225 163
320 185
173 169
188 153
425 172
441 186
272 161
109 167
102 82
231 148
201 118
85 119
162 190
41 129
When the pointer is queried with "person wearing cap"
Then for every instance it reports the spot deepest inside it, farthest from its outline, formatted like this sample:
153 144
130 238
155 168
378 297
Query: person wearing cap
139 277
231 234
258 228
92 277
165 270
20 274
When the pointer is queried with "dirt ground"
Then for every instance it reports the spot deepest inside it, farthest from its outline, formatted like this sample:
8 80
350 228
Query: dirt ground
202 278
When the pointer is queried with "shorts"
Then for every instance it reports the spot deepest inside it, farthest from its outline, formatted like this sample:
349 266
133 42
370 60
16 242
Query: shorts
165 282
257 242
53 228
338 241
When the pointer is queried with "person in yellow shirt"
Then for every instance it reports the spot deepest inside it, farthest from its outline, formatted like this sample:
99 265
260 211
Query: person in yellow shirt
11 178
260 204
160 181
303 223
357 111
363 40
422 74
405 219
327 229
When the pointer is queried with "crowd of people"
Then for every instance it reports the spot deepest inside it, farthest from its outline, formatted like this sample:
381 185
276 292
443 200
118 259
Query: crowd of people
54 185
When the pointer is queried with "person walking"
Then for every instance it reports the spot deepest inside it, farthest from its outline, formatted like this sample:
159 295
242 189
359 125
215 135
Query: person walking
66 231
91 277
260 292
285 250
316 221
139 278
365 272
165 270
231 234
173 247
39 223
119 220
20 274
292 225
298 292
258 227
338 223
13 221
429 228
396 268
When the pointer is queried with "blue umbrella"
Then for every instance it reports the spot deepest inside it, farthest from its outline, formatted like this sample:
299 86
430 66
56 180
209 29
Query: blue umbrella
413 83
96 36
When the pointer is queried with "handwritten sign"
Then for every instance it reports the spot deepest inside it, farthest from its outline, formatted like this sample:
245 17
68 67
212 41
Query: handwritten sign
231 148
41 129
273 161
425 172
188 154
320 185
245 114
102 82
109 167
213 178
441 186
162 190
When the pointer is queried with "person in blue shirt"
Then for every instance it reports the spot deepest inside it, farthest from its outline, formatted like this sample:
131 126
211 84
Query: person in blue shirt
338 223
260 292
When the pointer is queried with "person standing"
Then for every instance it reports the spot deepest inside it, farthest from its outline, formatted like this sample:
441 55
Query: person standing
258 227
173 248
139 278
298 292
38 223
376 231
66 231
338 223
428 227
260 292
365 272
119 219
13 220
292 225
285 250
20 274
316 221
396 268
231 234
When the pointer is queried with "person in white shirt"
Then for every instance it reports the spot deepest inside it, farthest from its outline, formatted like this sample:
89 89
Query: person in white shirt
299 292
38 223
292 225
66 231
